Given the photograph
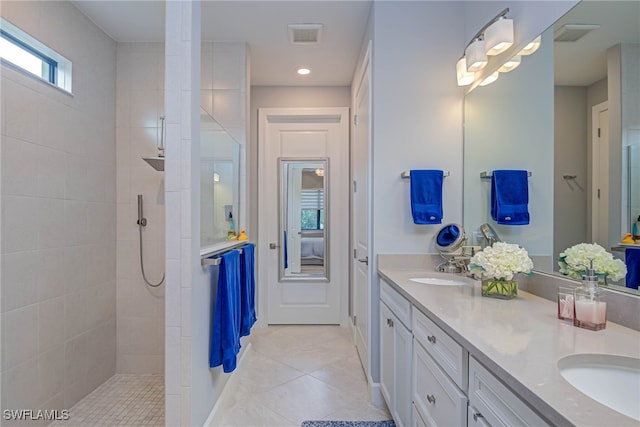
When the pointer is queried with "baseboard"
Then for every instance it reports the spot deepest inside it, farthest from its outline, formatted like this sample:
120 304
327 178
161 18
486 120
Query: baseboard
229 390
376 395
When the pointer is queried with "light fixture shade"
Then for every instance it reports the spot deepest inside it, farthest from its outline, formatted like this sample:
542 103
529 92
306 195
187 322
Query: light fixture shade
476 56
511 64
490 79
465 77
499 36
531 47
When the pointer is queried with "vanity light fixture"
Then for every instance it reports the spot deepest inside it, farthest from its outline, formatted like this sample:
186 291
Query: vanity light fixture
531 47
464 77
490 79
511 64
475 55
498 37
319 172
494 38
304 71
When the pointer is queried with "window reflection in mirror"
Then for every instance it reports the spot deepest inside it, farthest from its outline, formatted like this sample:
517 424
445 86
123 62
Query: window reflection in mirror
303 219
219 182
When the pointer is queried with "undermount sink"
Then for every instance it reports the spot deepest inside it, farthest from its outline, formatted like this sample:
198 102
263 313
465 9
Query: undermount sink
438 281
613 381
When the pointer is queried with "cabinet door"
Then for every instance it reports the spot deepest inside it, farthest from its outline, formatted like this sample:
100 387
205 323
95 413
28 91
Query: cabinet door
403 353
387 360
437 398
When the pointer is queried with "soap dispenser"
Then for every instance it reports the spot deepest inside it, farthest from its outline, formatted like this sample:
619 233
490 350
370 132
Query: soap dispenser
590 309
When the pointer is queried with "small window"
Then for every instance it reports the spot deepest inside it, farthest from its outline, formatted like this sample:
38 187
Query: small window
27 54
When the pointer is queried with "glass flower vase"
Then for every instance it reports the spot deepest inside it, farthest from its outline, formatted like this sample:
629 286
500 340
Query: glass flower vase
499 288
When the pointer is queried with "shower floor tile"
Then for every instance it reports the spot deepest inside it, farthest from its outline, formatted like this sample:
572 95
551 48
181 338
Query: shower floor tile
123 400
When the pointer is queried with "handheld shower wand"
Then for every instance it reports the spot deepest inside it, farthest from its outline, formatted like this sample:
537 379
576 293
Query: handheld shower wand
141 219
142 222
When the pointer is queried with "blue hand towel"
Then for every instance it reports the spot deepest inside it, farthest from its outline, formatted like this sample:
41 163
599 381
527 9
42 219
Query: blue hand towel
225 331
426 196
247 290
632 259
510 197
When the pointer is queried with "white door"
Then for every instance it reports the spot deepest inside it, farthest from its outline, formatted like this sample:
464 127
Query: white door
600 175
284 135
361 301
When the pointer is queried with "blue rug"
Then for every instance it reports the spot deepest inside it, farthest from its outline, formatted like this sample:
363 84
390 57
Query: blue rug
388 423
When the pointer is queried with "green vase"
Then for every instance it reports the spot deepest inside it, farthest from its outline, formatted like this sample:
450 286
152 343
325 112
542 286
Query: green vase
499 288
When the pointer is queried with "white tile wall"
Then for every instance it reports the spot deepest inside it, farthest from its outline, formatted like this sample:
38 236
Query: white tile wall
140 308
58 216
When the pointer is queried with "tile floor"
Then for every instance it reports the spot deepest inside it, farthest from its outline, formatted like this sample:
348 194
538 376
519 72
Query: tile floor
297 373
292 374
123 400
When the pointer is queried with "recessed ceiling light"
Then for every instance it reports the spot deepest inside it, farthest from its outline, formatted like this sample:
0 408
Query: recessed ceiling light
304 71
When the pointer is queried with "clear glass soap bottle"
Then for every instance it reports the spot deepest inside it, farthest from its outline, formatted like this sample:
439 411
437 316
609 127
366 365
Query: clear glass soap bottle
590 308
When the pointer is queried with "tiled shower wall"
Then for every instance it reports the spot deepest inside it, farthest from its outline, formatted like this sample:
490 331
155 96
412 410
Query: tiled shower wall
140 103
58 216
140 308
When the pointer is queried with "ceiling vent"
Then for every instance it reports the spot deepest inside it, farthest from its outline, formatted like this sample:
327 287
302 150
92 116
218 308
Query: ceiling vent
305 33
573 32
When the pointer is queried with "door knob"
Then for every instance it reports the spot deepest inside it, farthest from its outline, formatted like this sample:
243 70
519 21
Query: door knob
273 246
364 260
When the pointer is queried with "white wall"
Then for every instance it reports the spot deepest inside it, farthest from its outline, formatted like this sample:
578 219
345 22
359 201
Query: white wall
417 123
140 308
58 216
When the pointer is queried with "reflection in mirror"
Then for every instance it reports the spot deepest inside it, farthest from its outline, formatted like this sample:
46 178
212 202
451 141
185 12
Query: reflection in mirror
303 219
601 69
219 182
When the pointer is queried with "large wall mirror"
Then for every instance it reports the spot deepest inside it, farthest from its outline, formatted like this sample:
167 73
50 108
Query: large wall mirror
219 183
544 117
304 211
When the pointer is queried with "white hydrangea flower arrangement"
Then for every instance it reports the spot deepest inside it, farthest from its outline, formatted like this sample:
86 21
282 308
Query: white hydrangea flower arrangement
573 260
501 261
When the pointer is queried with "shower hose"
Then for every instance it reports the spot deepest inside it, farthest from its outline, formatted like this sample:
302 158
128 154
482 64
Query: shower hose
144 276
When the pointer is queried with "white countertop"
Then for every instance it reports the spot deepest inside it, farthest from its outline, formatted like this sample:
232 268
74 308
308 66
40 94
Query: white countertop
520 341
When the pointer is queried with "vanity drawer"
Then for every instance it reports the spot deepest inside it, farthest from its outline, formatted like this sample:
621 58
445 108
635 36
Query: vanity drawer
450 355
475 418
438 400
498 405
399 305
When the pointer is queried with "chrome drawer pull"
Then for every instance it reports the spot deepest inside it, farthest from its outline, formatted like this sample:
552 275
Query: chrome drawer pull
431 398
477 415
431 339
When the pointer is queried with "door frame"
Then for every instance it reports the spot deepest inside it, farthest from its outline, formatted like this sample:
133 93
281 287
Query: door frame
296 115
596 110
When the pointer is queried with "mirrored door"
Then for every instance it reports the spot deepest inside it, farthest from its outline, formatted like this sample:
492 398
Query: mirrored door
304 214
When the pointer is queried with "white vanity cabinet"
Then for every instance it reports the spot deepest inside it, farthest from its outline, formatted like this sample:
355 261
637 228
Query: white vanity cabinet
498 405
440 370
396 342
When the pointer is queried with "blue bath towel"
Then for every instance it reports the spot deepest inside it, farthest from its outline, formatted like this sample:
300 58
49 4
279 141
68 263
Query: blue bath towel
247 290
510 197
632 259
225 331
426 196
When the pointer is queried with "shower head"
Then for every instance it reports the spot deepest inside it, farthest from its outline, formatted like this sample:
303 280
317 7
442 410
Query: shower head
156 162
